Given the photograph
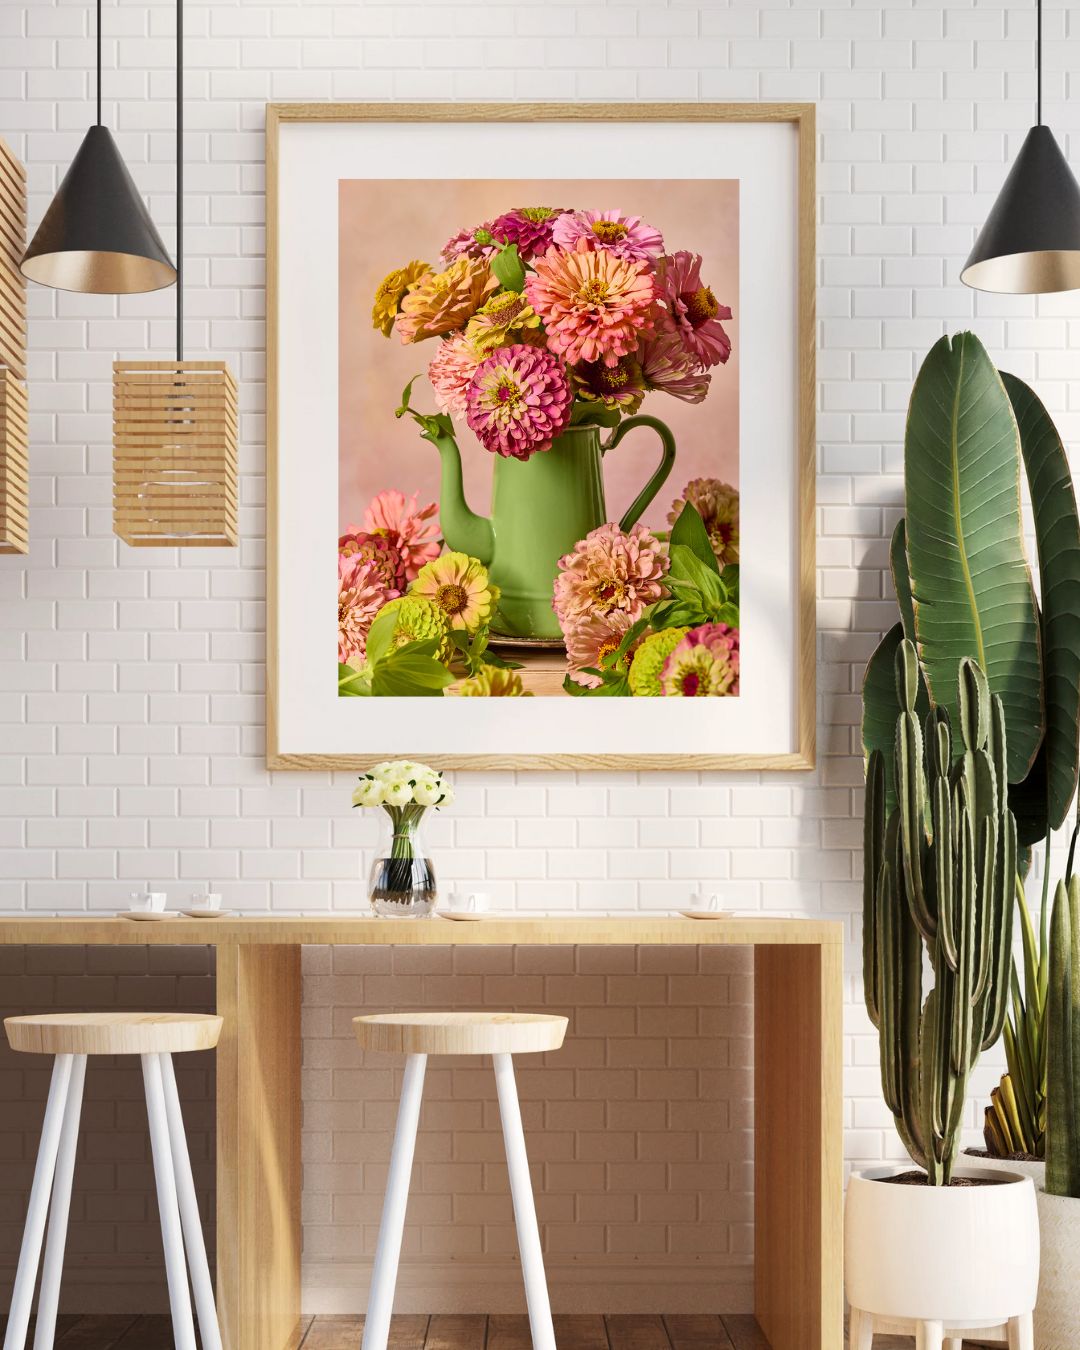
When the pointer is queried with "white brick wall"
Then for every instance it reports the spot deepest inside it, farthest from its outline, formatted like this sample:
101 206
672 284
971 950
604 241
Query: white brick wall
131 708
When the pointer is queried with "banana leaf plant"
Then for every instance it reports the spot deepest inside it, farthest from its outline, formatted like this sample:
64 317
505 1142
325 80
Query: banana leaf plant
964 586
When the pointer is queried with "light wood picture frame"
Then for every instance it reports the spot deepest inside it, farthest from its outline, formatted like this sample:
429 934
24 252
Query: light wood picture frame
306 727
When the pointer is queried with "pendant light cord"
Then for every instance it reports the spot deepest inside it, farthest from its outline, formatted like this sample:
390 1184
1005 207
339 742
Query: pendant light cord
180 179
99 62
1038 62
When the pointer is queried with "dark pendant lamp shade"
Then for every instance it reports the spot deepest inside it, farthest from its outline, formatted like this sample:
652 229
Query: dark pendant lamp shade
1030 244
97 235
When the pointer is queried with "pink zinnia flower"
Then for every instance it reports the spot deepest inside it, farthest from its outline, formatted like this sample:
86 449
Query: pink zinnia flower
625 236
595 306
693 310
412 530
378 550
530 227
592 637
361 594
465 244
666 365
617 386
610 571
705 663
519 401
451 369
717 504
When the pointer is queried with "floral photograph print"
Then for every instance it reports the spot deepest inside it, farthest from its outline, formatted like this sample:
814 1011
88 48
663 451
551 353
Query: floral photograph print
538 438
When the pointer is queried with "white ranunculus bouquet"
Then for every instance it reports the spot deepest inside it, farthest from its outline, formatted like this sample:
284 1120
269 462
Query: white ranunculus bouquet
402 878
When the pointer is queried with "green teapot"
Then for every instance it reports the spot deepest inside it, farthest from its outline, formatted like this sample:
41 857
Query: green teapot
540 508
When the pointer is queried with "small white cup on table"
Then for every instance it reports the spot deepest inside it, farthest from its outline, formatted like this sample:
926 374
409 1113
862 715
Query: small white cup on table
143 902
208 900
470 902
708 902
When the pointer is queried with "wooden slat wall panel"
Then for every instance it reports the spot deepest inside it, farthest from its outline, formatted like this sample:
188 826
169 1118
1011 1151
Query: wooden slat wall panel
14 412
174 453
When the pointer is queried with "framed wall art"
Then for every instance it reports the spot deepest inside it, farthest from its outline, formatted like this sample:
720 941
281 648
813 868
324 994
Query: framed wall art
541 435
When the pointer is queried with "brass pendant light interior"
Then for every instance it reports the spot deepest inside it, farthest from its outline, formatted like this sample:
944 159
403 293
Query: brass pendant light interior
14 410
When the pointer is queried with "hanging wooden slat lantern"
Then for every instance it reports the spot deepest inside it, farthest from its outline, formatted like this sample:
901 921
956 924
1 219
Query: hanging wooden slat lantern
14 411
174 453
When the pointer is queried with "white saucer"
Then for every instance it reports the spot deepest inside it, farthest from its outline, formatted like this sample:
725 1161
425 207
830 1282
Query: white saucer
145 915
206 913
706 913
465 915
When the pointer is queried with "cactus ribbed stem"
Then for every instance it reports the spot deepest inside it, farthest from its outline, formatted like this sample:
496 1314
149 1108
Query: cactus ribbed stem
941 871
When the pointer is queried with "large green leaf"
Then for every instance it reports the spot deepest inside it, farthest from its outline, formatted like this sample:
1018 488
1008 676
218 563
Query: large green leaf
971 585
881 707
901 580
1057 533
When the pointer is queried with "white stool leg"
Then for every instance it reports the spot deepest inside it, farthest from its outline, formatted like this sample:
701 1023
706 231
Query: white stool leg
1021 1333
929 1335
209 1331
392 1226
860 1330
171 1233
22 1295
517 1164
52 1268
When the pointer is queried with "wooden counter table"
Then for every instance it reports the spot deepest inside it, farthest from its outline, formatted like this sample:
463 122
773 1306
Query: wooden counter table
798 1185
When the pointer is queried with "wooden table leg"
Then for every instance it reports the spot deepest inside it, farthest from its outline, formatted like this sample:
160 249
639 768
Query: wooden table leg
798 1152
258 1146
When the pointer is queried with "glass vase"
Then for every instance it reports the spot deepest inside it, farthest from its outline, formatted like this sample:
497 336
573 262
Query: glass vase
401 884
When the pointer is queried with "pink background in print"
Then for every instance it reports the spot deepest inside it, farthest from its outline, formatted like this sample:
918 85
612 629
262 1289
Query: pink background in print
385 224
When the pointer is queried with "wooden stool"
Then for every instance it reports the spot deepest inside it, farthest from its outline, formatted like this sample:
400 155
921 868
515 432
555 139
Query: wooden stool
155 1038
417 1035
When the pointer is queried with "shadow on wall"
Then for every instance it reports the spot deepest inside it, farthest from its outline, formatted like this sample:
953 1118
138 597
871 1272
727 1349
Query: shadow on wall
113 1260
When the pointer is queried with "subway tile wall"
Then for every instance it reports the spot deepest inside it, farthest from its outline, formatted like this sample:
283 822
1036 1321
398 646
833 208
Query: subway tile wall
131 703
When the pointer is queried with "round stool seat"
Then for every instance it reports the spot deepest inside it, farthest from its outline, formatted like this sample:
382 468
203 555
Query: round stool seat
113 1033
460 1033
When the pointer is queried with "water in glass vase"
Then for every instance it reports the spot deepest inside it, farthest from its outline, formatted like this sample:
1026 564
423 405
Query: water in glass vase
402 879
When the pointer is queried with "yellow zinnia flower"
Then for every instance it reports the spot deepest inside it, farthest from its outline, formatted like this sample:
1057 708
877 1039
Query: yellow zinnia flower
460 587
504 314
391 290
441 301
491 682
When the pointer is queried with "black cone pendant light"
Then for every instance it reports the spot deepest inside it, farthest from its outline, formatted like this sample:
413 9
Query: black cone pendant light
1030 244
97 235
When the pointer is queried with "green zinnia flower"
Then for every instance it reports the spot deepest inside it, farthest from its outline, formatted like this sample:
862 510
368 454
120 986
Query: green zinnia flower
491 682
418 620
649 661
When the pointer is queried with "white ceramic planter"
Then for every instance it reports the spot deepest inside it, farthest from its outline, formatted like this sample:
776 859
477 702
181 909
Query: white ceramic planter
1057 1310
941 1259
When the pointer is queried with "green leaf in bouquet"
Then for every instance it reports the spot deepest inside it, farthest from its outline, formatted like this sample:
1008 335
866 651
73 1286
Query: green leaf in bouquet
690 532
380 637
613 685
411 672
508 268
352 683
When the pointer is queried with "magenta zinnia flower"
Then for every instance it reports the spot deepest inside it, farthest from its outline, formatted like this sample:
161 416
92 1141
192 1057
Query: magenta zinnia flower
519 401
694 311
617 386
590 638
361 594
625 236
609 571
705 663
530 227
666 365
412 530
594 305
451 369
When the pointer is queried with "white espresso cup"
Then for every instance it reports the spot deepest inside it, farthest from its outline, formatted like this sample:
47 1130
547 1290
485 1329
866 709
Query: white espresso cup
141 901
709 902
470 902
206 900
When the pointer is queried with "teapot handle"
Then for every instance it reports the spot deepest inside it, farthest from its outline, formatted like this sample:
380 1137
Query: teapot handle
657 481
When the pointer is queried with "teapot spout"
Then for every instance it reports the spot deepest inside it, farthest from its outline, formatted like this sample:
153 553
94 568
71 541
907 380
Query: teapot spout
463 530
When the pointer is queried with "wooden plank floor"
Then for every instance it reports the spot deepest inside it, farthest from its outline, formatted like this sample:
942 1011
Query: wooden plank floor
732 1332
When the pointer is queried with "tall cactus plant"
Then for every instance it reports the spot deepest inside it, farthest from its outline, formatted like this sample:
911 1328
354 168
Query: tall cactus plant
1063 1048
940 870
